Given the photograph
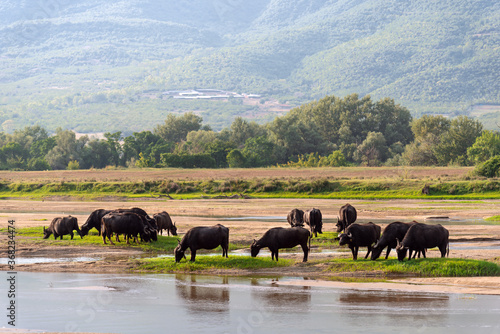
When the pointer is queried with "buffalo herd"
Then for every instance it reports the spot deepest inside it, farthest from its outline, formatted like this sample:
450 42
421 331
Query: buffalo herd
406 238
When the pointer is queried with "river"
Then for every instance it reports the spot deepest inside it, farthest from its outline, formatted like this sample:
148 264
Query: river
69 302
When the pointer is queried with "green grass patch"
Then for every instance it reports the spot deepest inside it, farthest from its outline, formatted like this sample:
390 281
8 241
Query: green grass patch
207 262
383 188
493 219
436 267
324 240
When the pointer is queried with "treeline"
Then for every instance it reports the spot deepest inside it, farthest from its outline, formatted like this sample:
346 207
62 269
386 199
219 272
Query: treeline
332 131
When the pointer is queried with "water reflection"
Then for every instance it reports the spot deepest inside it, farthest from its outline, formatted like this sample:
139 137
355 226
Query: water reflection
200 296
279 299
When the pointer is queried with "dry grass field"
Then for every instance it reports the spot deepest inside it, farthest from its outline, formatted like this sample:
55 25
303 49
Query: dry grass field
132 175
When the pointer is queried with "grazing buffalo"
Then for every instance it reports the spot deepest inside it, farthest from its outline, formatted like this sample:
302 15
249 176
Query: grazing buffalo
347 216
422 236
360 235
94 221
61 226
203 237
392 232
314 219
164 222
279 237
127 223
295 218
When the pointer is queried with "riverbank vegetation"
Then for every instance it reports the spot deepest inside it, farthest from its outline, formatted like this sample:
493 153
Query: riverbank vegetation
331 132
377 187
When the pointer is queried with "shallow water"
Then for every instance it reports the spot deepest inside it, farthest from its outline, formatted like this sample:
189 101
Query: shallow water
32 260
207 304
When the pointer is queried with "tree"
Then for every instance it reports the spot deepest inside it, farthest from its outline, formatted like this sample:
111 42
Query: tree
235 159
485 147
373 150
241 130
176 128
455 142
428 131
258 152
67 148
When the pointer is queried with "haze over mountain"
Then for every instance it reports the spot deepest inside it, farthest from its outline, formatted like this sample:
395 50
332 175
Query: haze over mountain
95 66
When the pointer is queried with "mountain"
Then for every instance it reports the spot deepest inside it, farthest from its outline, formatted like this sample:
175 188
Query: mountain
94 66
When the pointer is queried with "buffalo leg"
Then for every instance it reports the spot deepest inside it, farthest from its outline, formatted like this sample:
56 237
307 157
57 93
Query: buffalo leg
423 253
369 251
388 251
71 235
193 255
109 238
305 249
354 251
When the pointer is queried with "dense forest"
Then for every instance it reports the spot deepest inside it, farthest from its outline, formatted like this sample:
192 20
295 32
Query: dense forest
102 66
331 131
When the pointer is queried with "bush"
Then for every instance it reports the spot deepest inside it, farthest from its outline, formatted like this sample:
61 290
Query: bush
489 168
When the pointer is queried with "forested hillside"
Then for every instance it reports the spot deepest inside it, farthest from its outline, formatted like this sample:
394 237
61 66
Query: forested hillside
98 66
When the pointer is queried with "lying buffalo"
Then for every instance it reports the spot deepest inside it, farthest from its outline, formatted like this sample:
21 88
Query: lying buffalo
392 232
61 226
164 222
422 236
203 237
127 223
314 219
347 216
279 237
295 218
360 235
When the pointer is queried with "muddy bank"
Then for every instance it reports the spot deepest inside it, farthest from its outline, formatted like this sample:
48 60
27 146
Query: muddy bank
476 241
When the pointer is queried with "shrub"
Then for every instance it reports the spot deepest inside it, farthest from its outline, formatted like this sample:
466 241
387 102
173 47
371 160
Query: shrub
489 168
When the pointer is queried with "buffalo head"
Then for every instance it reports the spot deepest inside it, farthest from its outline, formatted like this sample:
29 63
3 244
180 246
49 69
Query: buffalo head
179 253
401 250
254 248
173 229
340 225
46 233
345 238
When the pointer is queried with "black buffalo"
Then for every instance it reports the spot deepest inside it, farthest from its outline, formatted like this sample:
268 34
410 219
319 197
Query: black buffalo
203 237
94 221
347 216
279 237
295 218
314 219
61 226
422 236
392 232
360 235
127 223
164 222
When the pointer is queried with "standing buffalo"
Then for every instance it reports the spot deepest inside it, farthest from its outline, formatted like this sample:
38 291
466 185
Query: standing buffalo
164 222
314 219
347 216
127 223
422 236
61 226
279 237
203 237
295 218
392 233
94 221
360 235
